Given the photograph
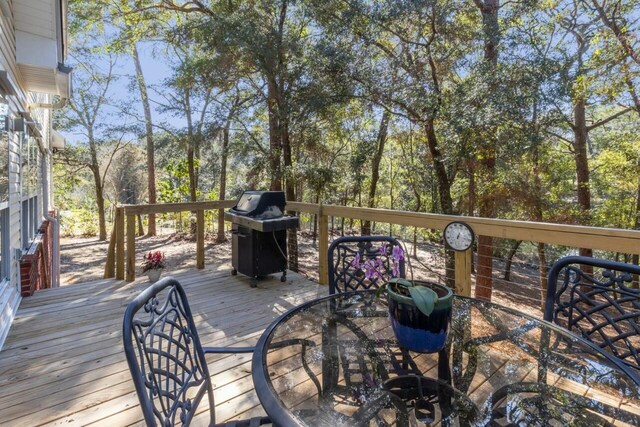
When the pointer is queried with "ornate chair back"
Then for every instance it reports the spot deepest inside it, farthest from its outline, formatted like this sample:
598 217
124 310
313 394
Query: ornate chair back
165 356
347 254
602 307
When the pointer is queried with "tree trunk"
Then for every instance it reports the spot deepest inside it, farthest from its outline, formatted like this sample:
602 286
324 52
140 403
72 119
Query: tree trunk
292 235
581 135
375 167
544 271
444 192
102 226
635 259
140 227
191 160
537 209
415 229
223 180
151 168
315 220
512 253
275 142
486 206
472 189
444 186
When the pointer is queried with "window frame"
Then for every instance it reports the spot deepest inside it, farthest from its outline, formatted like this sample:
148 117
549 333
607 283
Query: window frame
5 243
30 219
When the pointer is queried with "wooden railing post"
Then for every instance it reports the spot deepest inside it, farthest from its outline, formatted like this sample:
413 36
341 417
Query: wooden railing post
323 247
131 247
119 225
463 272
200 239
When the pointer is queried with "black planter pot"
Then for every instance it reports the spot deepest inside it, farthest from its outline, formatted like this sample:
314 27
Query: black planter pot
414 330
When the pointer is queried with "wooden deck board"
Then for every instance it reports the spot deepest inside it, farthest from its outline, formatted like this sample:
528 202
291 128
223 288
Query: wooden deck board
63 362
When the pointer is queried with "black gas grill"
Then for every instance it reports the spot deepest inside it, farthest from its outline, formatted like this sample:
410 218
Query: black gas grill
259 243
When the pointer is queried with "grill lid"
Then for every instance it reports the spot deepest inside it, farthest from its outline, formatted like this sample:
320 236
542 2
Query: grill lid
255 203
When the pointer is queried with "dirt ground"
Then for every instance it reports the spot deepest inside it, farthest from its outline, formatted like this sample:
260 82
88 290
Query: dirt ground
83 259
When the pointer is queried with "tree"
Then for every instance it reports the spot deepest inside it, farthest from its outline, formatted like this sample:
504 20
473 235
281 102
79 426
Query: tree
486 155
125 30
582 82
189 100
405 62
85 116
133 28
381 139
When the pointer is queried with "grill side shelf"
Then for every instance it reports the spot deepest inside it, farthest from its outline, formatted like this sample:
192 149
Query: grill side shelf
266 225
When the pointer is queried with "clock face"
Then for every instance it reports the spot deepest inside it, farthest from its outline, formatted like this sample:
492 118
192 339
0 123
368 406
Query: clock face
458 236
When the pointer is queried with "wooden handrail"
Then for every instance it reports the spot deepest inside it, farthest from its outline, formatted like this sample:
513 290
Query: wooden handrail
177 207
610 239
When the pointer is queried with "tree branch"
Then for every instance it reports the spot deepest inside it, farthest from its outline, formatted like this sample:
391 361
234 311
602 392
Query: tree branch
608 119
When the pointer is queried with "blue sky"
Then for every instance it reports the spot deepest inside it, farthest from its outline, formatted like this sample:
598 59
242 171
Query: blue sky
156 69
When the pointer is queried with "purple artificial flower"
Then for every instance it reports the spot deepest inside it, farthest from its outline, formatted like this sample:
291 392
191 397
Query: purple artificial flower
370 269
397 254
374 268
356 262
383 249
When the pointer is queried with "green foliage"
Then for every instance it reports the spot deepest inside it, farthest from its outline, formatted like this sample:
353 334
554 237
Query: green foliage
175 186
305 82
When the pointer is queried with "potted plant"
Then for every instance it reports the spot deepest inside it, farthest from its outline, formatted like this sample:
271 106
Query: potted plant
420 311
153 264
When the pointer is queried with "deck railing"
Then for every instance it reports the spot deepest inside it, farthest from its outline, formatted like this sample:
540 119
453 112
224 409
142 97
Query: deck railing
121 264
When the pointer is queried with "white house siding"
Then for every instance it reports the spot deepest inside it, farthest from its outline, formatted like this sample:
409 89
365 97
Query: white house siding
9 290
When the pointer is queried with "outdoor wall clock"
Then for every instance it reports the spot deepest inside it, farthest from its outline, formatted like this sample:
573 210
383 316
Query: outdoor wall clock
458 236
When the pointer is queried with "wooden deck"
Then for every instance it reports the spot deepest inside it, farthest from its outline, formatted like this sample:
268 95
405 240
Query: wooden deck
63 363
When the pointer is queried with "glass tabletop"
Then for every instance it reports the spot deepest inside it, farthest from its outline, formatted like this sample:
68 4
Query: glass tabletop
335 361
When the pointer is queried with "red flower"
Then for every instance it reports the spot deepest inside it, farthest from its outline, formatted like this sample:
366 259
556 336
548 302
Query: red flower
153 261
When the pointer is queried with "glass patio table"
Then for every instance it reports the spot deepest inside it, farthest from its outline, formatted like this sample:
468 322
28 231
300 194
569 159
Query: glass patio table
499 366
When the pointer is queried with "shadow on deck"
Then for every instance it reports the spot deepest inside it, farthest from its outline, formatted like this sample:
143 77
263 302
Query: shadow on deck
63 362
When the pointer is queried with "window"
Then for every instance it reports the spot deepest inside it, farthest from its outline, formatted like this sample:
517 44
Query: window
4 194
29 182
5 266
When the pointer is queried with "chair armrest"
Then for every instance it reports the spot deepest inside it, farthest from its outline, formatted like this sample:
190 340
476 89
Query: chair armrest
227 350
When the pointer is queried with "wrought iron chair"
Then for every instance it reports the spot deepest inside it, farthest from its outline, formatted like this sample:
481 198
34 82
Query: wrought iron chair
591 298
166 359
345 255
602 307
344 276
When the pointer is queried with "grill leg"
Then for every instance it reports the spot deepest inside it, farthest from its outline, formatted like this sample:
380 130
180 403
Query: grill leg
234 272
253 282
283 278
